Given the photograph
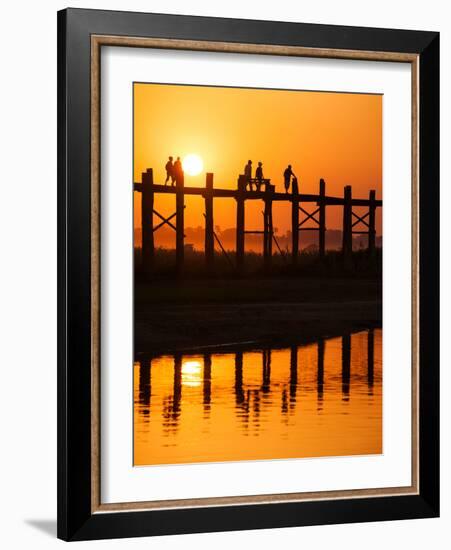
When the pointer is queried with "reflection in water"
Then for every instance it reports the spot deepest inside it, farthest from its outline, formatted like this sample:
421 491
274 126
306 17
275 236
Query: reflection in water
144 389
239 394
345 366
321 399
370 361
191 373
207 383
320 376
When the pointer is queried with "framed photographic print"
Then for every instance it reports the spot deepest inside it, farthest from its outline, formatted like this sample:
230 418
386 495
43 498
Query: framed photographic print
248 274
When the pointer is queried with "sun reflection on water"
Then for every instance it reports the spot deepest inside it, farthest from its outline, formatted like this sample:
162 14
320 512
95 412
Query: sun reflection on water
312 400
191 374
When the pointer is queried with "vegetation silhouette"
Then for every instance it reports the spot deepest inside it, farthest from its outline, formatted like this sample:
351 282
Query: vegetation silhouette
361 264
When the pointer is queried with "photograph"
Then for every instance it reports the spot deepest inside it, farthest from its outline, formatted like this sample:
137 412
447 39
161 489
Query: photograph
257 262
248 272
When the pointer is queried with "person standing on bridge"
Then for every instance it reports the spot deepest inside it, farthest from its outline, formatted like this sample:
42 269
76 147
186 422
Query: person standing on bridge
287 175
248 174
169 172
177 170
259 176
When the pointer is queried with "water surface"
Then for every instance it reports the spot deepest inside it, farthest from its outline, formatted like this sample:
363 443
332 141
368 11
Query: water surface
320 399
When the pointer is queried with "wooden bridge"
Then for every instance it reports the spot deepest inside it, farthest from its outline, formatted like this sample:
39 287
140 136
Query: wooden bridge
352 222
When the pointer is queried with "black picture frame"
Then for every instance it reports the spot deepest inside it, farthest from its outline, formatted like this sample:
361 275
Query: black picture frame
75 518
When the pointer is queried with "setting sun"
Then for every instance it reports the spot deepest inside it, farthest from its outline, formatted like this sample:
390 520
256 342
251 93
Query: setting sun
192 165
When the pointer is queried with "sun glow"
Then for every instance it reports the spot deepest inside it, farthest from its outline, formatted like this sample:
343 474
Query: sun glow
192 164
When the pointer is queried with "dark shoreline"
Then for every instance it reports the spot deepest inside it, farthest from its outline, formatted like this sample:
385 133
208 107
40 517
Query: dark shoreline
255 345
201 316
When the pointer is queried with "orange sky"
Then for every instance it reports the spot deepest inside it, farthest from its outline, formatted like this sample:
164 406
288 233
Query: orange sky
335 136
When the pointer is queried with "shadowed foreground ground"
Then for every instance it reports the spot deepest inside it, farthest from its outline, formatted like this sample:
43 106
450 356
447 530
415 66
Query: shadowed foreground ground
190 315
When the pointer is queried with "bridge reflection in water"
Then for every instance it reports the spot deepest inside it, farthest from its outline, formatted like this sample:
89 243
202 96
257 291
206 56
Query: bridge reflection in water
320 399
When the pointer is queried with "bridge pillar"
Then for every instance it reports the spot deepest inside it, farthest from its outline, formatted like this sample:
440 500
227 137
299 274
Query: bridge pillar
347 222
372 224
180 222
295 224
240 223
322 219
268 227
147 199
209 228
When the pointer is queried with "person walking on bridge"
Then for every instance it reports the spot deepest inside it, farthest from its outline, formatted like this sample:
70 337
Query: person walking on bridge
287 175
248 174
177 170
169 172
259 176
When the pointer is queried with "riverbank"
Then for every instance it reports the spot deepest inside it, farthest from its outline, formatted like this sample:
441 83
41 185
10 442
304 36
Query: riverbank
200 315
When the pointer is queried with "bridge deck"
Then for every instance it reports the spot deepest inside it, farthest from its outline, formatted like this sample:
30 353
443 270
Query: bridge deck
261 195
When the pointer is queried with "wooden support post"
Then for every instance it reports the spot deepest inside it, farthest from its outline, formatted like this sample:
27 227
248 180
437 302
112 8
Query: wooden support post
270 223
148 248
209 228
322 219
372 224
345 365
268 227
295 224
180 222
240 223
265 235
347 222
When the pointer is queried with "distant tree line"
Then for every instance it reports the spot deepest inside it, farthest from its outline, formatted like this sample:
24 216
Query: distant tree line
165 238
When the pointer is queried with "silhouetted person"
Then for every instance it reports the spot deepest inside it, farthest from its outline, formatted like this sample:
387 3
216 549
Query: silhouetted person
248 174
287 177
169 172
177 170
259 175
